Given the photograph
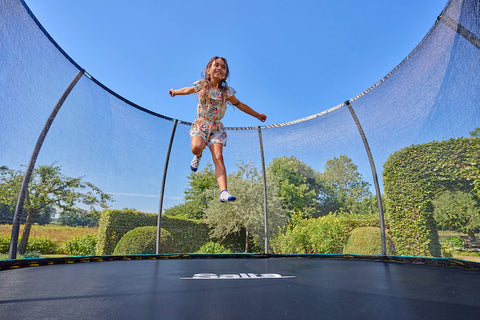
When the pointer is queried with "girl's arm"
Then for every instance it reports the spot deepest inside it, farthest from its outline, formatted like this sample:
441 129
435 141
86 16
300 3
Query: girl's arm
242 106
183 91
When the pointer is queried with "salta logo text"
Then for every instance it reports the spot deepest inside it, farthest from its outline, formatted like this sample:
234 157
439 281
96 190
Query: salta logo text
240 276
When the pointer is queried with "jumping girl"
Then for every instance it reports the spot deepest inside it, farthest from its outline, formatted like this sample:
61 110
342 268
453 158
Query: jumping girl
207 129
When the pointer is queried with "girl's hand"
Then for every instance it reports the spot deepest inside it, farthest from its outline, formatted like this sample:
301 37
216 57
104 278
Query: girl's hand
262 117
172 92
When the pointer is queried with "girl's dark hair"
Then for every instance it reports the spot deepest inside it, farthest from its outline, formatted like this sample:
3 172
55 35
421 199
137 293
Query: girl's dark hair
222 85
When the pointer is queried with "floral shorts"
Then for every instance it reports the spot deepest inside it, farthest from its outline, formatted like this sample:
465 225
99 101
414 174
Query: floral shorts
211 132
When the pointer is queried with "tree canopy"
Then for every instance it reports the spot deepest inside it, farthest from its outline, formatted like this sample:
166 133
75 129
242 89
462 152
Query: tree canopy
49 188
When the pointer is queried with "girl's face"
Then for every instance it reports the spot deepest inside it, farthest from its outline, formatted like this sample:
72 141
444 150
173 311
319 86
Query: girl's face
218 70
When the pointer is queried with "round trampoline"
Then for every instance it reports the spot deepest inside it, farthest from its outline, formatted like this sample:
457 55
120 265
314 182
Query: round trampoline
240 287
103 135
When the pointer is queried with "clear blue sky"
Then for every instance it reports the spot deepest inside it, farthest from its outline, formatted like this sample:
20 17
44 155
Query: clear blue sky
288 59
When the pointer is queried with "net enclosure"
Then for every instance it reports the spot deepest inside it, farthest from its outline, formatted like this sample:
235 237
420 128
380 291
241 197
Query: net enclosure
384 155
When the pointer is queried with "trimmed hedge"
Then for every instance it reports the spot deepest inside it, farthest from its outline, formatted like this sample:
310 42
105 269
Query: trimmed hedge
413 176
188 235
113 224
367 241
143 240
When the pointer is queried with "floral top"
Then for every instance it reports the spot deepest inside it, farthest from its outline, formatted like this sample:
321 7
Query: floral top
213 108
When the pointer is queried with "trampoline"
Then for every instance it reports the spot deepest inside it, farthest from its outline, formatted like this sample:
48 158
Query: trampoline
240 287
412 105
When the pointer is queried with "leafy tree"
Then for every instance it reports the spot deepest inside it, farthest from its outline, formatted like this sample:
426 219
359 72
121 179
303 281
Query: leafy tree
344 184
457 211
77 217
190 209
475 133
43 217
48 187
297 184
5 214
246 214
201 190
200 182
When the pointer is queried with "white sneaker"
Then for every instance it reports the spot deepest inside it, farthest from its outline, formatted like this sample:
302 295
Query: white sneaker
226 197
195 163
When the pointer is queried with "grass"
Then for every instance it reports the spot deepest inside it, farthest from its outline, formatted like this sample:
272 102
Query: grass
57 233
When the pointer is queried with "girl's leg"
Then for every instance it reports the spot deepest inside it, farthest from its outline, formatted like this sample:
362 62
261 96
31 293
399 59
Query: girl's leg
197 144
217 156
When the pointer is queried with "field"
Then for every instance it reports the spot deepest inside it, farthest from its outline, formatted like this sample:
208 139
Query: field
57 233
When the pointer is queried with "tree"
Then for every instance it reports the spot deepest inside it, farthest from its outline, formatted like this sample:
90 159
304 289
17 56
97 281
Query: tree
246 213
6 215
344 184
457 211
475 133
201 190
43 217
78 217
297 184
47 188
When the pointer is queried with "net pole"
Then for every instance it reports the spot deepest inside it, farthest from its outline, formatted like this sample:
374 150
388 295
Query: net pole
12 253
265 209
374 173
162 190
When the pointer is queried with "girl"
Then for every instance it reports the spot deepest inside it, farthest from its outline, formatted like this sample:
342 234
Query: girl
207 129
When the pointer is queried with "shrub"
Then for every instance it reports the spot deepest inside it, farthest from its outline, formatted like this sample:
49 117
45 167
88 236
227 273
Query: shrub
81 246
35 244
213 247
320 235
367 241
143 240
4 244
43 245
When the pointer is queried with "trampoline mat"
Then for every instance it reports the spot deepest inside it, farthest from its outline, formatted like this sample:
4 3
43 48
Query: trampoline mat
241 288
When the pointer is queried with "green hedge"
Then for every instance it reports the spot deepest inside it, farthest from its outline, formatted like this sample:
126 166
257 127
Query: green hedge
413 177
35 244
188 235
4 244
143 240
80 246
327 234
113 224
367 241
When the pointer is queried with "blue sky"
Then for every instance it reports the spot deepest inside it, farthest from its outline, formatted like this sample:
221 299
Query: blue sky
288 59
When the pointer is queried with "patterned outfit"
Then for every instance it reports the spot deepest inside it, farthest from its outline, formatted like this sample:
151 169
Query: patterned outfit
209 113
